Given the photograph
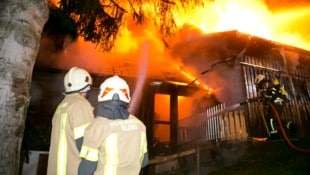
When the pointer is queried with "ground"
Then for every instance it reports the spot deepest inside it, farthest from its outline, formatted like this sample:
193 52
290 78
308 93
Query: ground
271 158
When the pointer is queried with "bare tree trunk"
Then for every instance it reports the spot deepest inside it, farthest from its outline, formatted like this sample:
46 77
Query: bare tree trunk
21 25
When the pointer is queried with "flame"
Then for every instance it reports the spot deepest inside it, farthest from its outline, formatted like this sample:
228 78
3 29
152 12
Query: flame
194 80
238 16
248 16
252 17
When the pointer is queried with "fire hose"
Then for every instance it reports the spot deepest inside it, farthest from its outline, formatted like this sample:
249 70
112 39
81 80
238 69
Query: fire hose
276 114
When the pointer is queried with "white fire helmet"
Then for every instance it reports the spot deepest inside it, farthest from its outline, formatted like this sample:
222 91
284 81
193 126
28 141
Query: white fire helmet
114 85
77 80
259 78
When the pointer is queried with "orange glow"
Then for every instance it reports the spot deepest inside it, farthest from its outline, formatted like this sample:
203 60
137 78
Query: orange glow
162 107
252 17
259 139
162 113
190 77
194 80
248 16
54 2
287 26
185 106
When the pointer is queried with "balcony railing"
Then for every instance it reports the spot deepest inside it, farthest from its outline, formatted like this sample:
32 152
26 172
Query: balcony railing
216 123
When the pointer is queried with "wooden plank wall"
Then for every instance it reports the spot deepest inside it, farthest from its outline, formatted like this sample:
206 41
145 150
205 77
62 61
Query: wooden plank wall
295 81
214 124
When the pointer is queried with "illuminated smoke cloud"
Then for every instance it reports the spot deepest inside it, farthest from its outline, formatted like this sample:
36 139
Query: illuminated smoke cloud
191 49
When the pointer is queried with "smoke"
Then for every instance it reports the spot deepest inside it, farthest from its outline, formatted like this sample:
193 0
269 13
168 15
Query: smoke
285 25
205 58
191 50
124 59
199 51
291 57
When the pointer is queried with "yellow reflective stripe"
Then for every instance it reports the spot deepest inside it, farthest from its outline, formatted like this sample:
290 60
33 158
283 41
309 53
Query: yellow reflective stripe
89 153
111 154
59 107
62 147
79 131
143 146
283 91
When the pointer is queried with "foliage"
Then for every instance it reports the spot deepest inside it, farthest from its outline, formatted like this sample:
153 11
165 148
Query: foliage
100 21
58 26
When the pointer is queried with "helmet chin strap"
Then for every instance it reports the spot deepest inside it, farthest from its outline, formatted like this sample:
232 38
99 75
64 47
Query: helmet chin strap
79 90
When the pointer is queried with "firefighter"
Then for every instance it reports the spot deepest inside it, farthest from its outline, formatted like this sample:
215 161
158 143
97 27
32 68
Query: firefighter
270 91
70 119
115 142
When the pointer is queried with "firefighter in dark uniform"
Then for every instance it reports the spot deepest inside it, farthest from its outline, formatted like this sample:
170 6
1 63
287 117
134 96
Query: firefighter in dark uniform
270 91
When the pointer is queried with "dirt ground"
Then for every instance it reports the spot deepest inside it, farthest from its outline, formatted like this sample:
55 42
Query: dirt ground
271 157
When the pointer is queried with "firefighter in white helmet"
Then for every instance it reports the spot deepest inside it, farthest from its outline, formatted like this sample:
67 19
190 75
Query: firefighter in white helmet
70 119
270 90
115 142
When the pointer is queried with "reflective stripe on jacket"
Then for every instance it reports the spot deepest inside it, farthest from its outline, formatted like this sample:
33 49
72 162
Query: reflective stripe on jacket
118 145
69 122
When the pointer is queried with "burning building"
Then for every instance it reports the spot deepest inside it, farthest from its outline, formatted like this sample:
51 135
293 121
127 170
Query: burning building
236 58
260 56
203 108
192 92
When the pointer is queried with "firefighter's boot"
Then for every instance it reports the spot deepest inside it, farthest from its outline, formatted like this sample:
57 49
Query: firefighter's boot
291 128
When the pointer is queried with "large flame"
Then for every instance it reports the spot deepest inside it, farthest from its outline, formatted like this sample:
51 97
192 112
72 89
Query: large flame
284 25
287 25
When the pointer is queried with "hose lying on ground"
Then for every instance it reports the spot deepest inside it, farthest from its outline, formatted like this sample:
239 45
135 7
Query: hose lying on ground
276 114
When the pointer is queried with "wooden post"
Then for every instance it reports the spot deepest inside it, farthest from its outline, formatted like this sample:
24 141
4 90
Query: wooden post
243 130
237 125
227 126
232 125
198 159
173 116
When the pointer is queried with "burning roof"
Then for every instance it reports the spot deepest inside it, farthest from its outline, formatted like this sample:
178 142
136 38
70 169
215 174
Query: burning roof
184 62
210 35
